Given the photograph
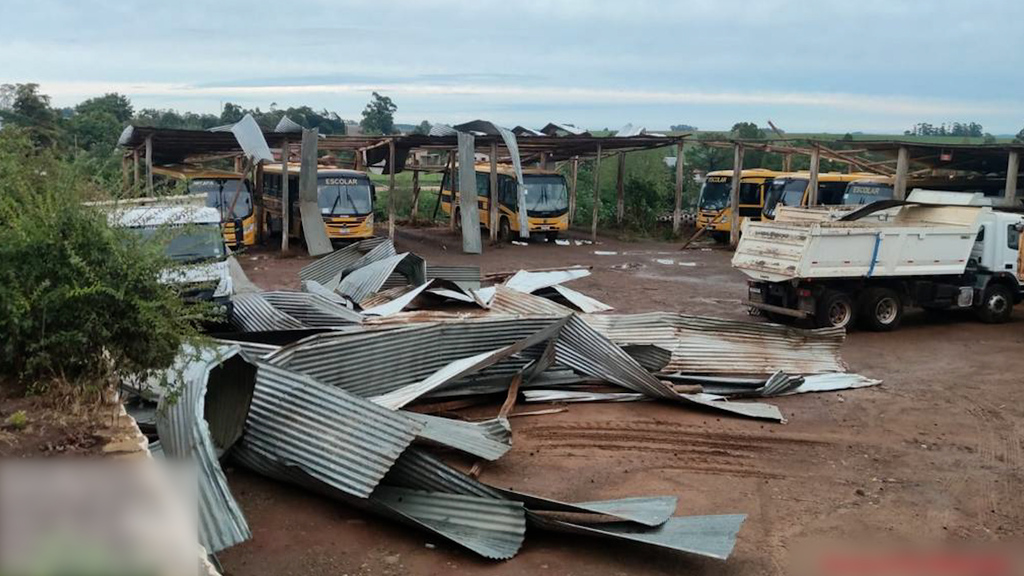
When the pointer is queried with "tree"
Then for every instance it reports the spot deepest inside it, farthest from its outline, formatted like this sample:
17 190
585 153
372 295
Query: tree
747 131
117 105
30 110
379 115
707 158
422 128
1019 138
988 139
231 113
682 128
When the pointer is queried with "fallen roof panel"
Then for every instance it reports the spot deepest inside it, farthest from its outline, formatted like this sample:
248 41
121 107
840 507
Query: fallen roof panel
329 267
339 438
488 440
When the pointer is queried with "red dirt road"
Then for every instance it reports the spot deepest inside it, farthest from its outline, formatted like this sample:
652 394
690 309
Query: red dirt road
932 457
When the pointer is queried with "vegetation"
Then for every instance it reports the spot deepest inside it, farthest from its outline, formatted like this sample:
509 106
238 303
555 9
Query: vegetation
379 115
79 300
970 129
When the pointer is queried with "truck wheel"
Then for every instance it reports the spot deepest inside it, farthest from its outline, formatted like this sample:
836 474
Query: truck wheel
996 304
835 310
881 309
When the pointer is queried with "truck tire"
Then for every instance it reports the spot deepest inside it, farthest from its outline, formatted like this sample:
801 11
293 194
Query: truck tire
881 309
835 310
504 230
996 304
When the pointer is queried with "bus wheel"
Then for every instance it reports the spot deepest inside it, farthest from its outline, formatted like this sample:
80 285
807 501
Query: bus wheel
720 237
458 219
552 236
504 230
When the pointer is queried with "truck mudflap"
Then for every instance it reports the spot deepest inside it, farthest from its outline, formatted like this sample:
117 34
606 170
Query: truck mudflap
799 314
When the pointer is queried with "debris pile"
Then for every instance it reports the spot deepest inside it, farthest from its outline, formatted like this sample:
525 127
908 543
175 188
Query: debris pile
339 385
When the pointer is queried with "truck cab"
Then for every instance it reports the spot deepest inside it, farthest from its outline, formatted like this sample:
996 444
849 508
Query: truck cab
193 241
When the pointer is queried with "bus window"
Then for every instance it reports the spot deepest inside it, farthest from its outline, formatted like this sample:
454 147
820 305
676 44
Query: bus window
714 194
483 185
831 193
793 192
344 196
221 193
750 193
866 193
546 195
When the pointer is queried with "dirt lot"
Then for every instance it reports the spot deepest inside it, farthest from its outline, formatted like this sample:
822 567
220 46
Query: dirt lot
931 457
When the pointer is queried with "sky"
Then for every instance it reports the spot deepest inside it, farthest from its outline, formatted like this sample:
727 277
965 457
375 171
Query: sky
876 66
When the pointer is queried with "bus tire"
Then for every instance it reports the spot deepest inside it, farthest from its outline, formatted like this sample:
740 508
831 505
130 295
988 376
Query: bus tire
458 219
881 309
552 236
504 230
996 304
720 237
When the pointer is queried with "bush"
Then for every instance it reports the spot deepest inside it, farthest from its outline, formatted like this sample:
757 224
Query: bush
78 299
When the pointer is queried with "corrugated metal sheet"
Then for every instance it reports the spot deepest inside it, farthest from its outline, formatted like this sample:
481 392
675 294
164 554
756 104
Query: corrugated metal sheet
363 282
406 294
250 139
330 267
510 302
581 396
376 362
488 440
530 282
463 367
222 398
470 216
652 358
492 528
467 277
336 437
253 350
581 301
251 313
831 382
702 345
312 310
711 536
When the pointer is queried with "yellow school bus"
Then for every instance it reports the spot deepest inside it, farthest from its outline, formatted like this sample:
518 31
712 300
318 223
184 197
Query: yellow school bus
713 210
228 192
346 199
547 200
790 189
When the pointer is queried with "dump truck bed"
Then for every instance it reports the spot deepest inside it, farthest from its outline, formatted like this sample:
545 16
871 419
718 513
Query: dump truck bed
918 241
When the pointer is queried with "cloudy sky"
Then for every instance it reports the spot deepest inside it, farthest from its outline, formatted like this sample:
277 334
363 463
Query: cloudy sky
808 65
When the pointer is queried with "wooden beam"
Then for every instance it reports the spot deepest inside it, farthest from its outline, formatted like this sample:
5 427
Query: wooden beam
415 192
452 180
137 180
787 162
493 201
260 214
620 192
125 183
149 165
812 181
572 188
734 195
899 186
286 205
677 212
392 193
1012 168
597 195
238 163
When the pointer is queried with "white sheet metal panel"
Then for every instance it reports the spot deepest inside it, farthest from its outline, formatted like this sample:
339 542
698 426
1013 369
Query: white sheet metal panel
313 228
488 440
250 139
471 243
513 149
336 437
703 345
581 301
329 268
530 282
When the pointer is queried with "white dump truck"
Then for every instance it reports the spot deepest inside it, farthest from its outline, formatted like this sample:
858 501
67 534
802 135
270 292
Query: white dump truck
937 250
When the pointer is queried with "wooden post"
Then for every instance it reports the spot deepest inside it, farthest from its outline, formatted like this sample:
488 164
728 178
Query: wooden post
597 194
493 202
391 188
543 160
238 163
124 174
137 180
787 162
734 195
812 181
415 192
452 179
258 204
620 191
286 205
1012 168
572 188
149 165
677 213
899 185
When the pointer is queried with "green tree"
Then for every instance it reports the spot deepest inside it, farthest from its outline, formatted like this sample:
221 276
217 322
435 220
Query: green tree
708 158
31 110
117 105
379 115
231 113
423 128
1019 138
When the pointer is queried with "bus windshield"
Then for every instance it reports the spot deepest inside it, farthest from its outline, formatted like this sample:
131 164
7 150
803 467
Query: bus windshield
546 195
344 196
784 192
714 194
866 192
220 194
190 243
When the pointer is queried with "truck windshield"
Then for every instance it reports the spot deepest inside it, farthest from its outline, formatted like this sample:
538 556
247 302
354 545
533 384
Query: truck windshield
714 194
344 196
189 243
545 195
220 194
866 193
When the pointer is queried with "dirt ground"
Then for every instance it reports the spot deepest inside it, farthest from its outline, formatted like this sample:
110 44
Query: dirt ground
931 457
